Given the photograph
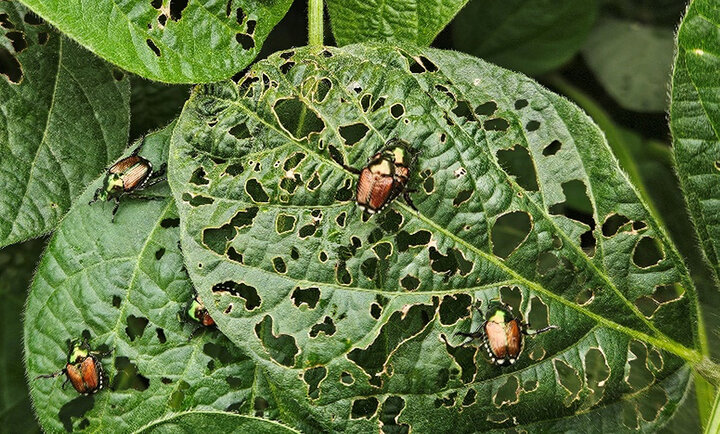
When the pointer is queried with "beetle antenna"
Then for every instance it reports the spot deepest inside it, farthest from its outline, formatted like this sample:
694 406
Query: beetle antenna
53 375
542 330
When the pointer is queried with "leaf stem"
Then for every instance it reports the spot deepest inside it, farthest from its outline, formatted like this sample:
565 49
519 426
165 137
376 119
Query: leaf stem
713 425
315 23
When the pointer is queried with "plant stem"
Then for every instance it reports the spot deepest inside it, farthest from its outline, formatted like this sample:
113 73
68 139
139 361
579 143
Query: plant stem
315 23
713 425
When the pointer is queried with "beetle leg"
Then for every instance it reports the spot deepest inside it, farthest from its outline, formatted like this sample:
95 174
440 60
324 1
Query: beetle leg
145 197
408 200
195 332
115 209
528 332
351 169
154 180
53 375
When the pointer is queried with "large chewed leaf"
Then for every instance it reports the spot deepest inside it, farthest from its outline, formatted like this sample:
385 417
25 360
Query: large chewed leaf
64 116
632 61
122 285
413 21
17 264
175 41
695 120
532 36
208 421
354 317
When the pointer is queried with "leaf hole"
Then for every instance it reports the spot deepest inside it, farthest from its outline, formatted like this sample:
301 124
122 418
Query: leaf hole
176 9
127 376
614 223
652 403
378 104
309 296
552 148
346 378
569 379
197 200
532 126
463 110
486 109
255 190
353 133
462 197
282 348
450 264
647 252
327 327
279 265
297 118
217 239
364 408
410 282
518 163
260 405
246 41
509 232
585 297
508 393
454 307
597 372
496 124
637 374
135 326
539 316
159 253
153 47
17 39
470 398
397 110
391 409
375 310
10 67
116 300
235 289
161 335
285 223
313 377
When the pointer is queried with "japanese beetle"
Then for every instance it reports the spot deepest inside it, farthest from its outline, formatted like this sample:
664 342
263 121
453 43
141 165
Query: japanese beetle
127 176
197 312
385 177
502 333
83 369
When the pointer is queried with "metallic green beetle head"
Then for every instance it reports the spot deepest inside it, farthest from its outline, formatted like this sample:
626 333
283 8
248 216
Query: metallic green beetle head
498 312
396 152
112 187
79 351
194 308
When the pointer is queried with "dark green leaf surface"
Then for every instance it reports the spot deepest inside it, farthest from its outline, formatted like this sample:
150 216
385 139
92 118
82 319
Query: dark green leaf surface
154 105
215 422
531 36
124 284
695 120
201 42
632 61
355 318
64 117
413 21
17 264
659 12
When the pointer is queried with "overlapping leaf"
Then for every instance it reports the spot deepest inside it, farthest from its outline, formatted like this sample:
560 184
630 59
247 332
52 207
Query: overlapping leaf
695 120
17 264
175 41
413 21
354 316
532 36
64 117
122 285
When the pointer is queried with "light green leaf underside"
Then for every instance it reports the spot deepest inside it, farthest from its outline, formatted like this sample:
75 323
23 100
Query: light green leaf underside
208 40
355 318
206 421
632 61
413 21
62 120
531 36
17 264
695 120
110 279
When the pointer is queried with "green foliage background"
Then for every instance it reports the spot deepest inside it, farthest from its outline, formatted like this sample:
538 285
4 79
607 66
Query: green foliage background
568 195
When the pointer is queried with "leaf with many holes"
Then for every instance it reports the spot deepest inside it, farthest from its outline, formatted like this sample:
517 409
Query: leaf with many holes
695 120
174 41
208 421
532 36
17 264
122 285
632 61
414 21
65 116
356 315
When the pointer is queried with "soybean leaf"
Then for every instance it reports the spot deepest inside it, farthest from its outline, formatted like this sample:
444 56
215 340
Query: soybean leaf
695 119
414 21
122 285
154 105
531 36
355 316
175 41
17 264
632 61
206 421
65 116
659 12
